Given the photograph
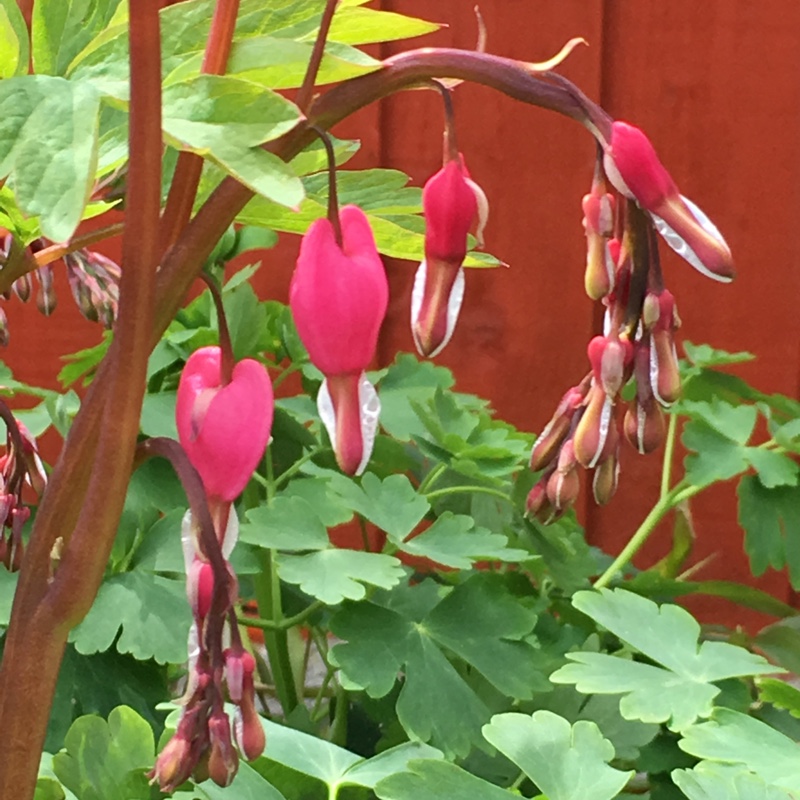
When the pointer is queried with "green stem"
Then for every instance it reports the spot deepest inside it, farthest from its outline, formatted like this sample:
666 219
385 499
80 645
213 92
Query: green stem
339 725
270 607
285 623
295 366
298 465
659 511
669 450
431 478
467 490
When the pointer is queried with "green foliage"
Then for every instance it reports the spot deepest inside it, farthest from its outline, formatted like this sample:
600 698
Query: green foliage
677 692
106 760
563 761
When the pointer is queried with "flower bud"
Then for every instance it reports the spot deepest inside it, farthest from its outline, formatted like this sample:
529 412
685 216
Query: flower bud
605 479
200 588
598 222
610 359
22 287
223 762
549 441
564 484
644 425
46 298
173 765
596 434
248 730
633 167
537 505
450 201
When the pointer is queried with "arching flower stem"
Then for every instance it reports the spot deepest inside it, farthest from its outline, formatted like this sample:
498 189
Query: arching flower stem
333 195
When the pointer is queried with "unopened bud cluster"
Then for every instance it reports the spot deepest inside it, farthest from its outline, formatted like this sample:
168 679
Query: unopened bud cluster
93 280
19 464
623 272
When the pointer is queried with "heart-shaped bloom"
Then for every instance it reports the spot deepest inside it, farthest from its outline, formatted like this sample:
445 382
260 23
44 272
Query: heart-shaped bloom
450 201
338 296
223 429
633 167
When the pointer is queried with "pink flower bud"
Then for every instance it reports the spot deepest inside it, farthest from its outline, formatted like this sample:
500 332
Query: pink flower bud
537 505
660 319
450 201
338 297
173 766
223 429
200 588
596 434
564 484
606 478
598 221
223 763
551 438
633 167
611 359
248 730
644 425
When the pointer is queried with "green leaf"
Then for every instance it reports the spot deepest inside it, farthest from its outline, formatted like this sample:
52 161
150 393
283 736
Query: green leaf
152 613
781 643
158 415
774 469
103 760
780 693
388 762
708 781
734 738
564 761
247 785
437 780
771 521
455 541
62 28
715 456
334 575
8 585
481 621
409 379
355 25
51 175
14 47
733 422
392 504
676 693
703 355
288 523
226 119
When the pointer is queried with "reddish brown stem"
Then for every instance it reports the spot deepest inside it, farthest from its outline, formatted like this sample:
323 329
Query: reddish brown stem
304 93
36 640
55 251
333 195
189 168
227 361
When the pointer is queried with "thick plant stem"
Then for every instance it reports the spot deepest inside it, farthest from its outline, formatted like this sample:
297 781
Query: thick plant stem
103 435
304 93
189 168
36 638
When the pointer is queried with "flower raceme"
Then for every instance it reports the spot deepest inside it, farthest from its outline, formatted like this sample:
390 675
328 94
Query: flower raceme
338 296
450 202
633 167
224 429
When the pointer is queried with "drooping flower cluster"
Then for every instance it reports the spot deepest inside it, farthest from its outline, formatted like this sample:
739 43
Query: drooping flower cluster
224 429
624 272
93 280
19 464
338 296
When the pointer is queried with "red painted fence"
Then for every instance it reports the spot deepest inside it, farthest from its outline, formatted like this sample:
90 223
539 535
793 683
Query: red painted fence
716 85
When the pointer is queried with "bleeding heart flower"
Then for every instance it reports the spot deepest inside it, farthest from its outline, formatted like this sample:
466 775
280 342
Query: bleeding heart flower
450 201
338 296
223 429
633 167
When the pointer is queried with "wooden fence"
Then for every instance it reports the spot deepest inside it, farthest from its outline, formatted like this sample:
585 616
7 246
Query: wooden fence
716 84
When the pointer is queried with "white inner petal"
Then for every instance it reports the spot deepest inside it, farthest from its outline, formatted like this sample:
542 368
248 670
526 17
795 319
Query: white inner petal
453 307
417 293
326 411
605 424
370 408
188 540
231 533
682 248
